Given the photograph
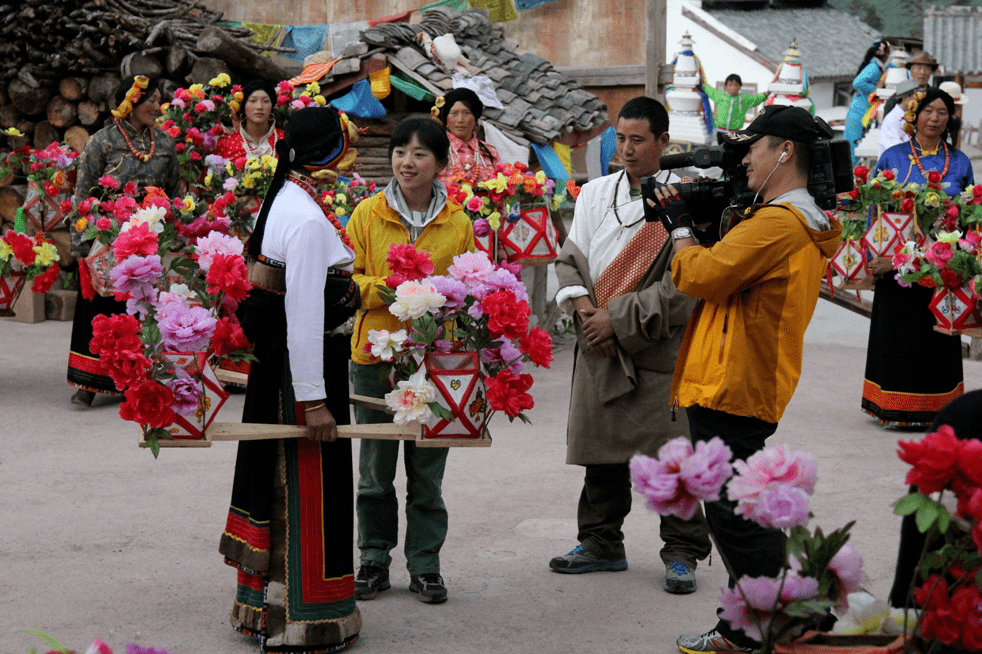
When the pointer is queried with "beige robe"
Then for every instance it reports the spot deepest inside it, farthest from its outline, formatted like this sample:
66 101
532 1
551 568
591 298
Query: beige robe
620 406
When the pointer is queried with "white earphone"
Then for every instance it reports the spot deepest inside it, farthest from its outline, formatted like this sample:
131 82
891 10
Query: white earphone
781 158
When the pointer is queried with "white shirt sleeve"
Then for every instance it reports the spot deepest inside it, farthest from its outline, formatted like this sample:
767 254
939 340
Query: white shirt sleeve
892 131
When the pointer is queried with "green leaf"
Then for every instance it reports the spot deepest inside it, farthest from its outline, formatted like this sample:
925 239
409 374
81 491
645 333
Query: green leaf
926 517
51 642
440 411
909 504
944 519
524 419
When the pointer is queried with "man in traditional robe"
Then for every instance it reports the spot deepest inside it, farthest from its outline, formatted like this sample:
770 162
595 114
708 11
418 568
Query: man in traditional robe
615 280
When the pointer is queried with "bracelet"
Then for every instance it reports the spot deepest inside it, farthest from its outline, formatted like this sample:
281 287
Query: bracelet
315 407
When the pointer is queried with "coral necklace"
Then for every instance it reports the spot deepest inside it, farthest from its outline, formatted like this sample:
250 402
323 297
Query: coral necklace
136 153
308 188
917 159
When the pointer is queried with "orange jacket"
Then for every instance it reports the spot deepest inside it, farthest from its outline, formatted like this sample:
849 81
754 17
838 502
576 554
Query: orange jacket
742 350
373 228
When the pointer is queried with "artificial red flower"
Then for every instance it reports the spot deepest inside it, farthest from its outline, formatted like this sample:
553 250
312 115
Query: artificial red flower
148 404
124 207
228 338
506 315
393 280
128 368
950 279
939 619
65 206
888 174
108 181
103 224
408 261
573 189
22 246
538 345
934 459
853 194
861 173
229 274
508 392
139 240
933 176
86 205
129 189
44 281
966 603
907 206
115 332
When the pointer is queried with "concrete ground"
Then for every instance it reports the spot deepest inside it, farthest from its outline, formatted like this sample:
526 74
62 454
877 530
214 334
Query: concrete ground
99 540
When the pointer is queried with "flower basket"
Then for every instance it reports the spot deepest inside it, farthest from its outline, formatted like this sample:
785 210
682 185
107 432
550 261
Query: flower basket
44 211
487 243
849 260
460 390
956 309
233 372
888 231
816 642
100 263
11 285
213 395
529 236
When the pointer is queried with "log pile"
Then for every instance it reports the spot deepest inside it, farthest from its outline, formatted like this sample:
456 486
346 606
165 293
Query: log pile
61 61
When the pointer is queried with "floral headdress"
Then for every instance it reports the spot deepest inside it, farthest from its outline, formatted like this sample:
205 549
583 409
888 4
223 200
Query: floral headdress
437 106
910 116
133 96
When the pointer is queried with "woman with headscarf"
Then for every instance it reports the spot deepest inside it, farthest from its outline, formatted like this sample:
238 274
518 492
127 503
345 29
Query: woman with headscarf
471 160
289 527
257 133
131 149
867 78
911 369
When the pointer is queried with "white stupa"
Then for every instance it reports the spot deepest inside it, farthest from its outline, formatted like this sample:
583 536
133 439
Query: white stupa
894 73
790 84
687 103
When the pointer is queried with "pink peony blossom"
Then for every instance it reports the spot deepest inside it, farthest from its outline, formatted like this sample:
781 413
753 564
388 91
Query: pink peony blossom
185 329
187 394
847 566
781 506
454 290
482 227
507 355
207 247
471 267
939 254
765 599
772 465
135 280
475 204
503 279
681 476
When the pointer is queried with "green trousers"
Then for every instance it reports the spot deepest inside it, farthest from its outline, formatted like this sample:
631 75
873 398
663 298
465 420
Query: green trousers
376 504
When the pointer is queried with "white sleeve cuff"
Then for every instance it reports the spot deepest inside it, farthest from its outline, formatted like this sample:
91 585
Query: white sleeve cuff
566 294
307 392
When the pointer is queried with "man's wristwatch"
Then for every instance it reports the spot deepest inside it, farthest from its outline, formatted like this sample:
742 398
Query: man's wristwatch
682 232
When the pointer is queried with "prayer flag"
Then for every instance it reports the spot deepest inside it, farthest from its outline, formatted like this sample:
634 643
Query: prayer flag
307 39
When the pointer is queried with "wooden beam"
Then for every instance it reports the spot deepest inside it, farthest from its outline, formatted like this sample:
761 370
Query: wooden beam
655 44
845 299
636 75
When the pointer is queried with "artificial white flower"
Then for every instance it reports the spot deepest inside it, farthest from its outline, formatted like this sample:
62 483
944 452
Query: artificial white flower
154 216
410 399
414 299
386 344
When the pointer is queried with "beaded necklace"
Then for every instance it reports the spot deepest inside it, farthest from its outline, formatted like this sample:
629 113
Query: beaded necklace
309 189
136 153
617 185
917 159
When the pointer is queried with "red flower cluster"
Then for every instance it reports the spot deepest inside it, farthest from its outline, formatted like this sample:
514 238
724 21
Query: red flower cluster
148 404
138 240
23 247
44 281
954 619
116 340
861 173
228 337
508 392
229 274
538 345
507 316
410 263
940 460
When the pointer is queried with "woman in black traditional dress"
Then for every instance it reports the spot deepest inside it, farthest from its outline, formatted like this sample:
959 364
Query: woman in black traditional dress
911 369
289 527
133 150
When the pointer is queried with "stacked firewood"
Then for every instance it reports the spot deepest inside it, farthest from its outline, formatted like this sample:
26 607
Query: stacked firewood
61 61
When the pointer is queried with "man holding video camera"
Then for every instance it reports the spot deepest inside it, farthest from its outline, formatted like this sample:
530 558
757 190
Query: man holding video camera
741 356
615 279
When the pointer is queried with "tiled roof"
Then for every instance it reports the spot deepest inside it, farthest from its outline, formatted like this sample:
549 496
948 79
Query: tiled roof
540 103
953 35
832 42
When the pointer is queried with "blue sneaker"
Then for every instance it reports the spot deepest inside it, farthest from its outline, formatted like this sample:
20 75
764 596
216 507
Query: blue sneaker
680 579
578 560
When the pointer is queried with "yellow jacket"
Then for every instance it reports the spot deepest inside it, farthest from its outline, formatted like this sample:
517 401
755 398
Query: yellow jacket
373 228
742 350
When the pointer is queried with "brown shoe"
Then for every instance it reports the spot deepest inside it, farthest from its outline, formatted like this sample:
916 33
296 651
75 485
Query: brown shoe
83 398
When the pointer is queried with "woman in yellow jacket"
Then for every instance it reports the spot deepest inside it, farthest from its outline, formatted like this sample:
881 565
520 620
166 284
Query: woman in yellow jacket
413 209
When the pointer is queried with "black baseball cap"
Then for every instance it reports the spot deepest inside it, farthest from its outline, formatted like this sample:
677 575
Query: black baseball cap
793 123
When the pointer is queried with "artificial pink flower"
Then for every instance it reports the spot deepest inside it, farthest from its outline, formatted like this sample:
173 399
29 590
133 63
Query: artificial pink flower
471 267
187 394
135 280
847 566
409 262
765 598
215 243
682 476
781 506
185 329
772 465
452 289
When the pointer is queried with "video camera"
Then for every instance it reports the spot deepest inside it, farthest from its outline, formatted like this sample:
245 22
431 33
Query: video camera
708 200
